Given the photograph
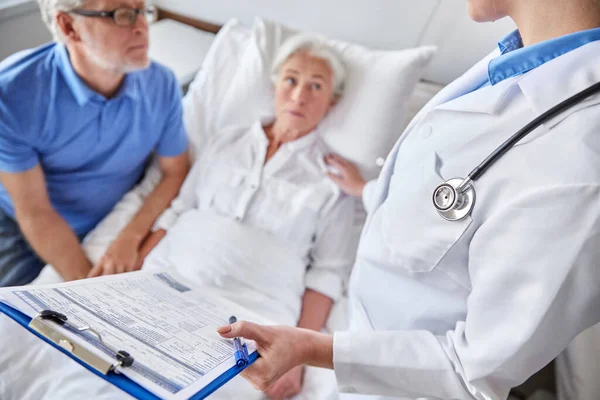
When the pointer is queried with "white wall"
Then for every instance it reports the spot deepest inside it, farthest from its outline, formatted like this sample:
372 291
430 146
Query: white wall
386 24
21 27
460 41
351 20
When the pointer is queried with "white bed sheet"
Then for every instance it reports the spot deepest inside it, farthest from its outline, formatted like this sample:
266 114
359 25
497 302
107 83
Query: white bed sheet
578 367
33 370
26 368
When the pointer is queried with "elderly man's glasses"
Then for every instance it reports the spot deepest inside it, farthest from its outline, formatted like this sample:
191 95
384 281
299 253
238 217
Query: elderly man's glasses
123 16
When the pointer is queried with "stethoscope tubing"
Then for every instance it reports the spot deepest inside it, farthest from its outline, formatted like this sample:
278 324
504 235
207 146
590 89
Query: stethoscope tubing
546 116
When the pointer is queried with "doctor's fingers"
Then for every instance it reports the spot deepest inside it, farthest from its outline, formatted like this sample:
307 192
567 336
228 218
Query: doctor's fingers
283 347
248 330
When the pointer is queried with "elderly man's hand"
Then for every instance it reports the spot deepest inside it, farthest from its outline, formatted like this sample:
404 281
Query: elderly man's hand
121 256
281 348
288 385
347 177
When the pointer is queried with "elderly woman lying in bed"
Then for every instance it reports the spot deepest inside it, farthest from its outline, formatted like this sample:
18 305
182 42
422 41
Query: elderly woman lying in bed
257 208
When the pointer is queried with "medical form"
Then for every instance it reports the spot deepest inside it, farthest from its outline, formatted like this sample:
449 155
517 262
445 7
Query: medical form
168 326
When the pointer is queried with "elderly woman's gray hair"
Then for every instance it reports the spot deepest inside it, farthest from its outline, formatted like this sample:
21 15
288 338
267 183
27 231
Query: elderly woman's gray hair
317 48
49 10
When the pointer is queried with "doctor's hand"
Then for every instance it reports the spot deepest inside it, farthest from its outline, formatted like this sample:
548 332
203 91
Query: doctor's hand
281 348
288 385
348 178
121 256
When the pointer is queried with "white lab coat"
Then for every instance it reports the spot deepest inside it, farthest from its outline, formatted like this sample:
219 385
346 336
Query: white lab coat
469 309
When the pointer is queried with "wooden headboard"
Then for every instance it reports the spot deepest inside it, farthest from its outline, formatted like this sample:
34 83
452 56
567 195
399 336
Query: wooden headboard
191 21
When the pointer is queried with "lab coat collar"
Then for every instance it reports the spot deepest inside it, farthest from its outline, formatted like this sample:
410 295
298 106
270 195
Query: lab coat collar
577 70
446 97
464 94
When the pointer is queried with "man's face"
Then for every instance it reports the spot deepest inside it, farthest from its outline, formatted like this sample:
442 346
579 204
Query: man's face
118 48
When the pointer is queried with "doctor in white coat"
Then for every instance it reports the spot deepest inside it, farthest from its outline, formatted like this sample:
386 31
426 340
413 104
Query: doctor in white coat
471 308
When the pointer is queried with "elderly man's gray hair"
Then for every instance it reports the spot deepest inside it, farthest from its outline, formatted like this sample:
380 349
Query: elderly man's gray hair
317 48
50 8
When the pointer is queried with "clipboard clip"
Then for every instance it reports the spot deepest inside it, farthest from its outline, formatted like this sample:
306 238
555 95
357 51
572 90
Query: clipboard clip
41 326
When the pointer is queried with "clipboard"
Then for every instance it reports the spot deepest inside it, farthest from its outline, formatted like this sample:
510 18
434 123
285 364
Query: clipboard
44 330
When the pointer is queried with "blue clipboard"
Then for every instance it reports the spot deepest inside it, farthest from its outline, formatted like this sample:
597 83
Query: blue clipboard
120 380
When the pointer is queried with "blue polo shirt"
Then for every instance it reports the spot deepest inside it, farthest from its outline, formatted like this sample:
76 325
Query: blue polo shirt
92 149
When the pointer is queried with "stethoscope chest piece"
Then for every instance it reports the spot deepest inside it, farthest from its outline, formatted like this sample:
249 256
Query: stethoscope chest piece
454 199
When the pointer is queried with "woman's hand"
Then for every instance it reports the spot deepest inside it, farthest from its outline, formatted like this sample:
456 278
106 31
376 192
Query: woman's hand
281 348
121 256
348 178
288 385
149 244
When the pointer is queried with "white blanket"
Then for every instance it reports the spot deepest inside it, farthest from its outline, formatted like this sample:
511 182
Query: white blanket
241 263
238 260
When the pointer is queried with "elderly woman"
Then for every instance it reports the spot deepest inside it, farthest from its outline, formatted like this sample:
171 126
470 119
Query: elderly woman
258 218
258 207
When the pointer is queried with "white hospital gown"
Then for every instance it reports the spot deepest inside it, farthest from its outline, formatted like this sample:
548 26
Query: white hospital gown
239 219
259 234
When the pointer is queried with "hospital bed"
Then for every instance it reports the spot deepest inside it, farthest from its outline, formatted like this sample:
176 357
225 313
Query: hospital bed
577 366
219 60
231 88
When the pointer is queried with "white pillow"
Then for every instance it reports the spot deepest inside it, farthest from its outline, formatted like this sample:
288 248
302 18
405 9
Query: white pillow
362 127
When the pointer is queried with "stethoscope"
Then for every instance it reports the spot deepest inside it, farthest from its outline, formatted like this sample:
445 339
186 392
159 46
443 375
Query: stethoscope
455 198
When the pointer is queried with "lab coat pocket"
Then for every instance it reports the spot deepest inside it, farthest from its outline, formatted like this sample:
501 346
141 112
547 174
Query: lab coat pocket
416 236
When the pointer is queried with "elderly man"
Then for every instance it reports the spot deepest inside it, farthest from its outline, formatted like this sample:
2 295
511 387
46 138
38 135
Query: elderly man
79 119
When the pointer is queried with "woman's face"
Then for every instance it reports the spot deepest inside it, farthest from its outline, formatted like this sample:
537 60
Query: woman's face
486 10
303 93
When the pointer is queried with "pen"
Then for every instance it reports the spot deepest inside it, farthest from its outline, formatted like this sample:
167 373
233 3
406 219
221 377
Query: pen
241 351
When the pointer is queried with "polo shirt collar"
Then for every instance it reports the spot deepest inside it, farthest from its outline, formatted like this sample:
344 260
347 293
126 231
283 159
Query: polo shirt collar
82 92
